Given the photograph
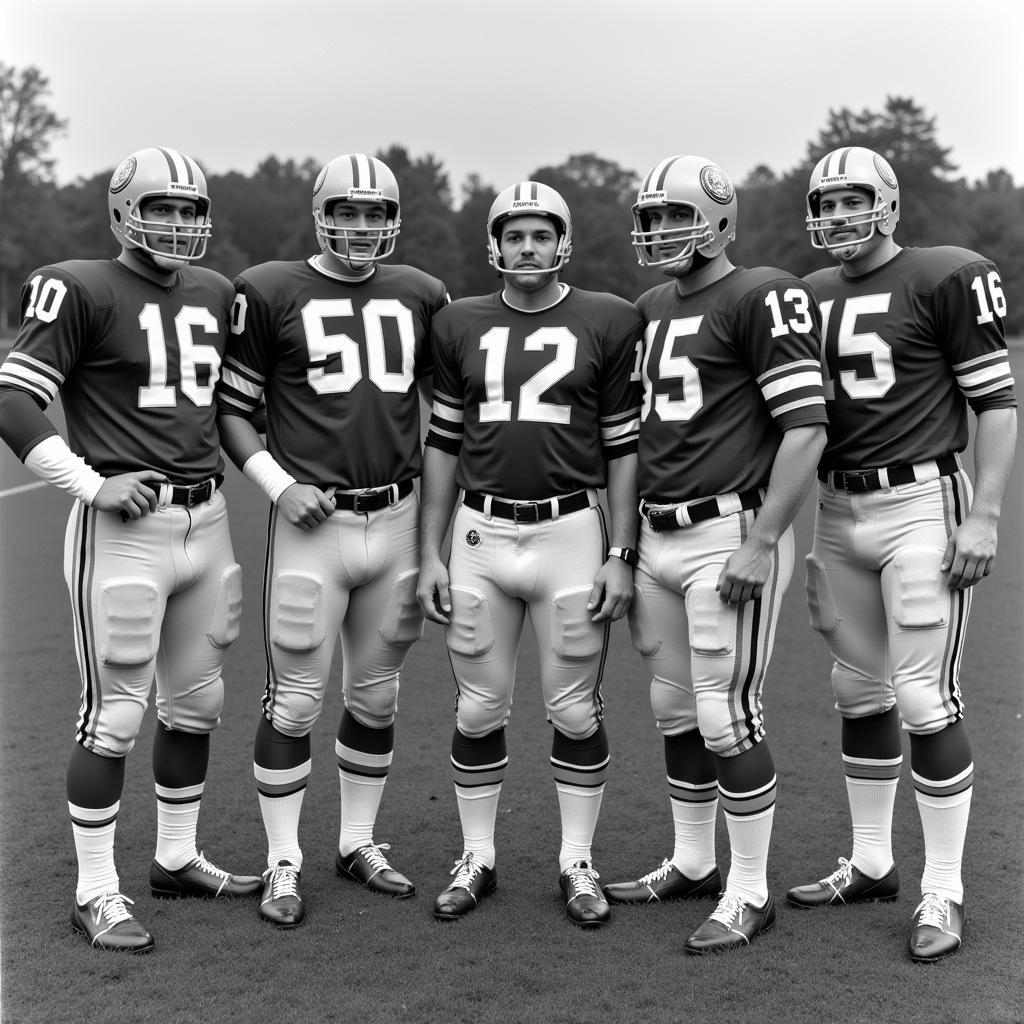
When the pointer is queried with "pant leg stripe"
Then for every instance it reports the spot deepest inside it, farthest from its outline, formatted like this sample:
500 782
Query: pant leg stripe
83 569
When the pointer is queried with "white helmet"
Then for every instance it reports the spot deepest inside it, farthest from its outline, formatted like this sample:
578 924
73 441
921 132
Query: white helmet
693 182
159 171
853 167
529 197
356 178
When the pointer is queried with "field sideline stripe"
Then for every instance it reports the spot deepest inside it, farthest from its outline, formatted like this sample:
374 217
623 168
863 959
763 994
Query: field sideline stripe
22 488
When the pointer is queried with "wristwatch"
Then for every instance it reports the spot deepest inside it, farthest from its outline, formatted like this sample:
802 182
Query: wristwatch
628 555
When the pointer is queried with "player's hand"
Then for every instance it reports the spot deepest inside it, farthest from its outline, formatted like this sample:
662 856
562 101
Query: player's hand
970 553
305 506
744 574
612 592
432 591
131 494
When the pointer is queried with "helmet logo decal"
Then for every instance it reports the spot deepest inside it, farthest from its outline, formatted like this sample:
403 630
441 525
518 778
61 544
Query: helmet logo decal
320 179
123 174
716 184
885 172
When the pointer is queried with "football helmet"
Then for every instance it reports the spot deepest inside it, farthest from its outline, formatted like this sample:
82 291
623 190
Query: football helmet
529 197
693 182
853 167
159 171
356 178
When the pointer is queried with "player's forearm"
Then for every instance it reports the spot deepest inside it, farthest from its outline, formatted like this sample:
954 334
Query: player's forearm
791 478
240 439
438 492
995 442
623 501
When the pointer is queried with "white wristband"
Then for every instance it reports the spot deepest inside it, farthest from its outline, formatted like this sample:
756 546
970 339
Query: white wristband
57 464
266 473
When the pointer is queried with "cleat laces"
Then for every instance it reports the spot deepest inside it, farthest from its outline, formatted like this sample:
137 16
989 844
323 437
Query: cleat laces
583 880
284 882
465 872
375 858
110 907
932 912
841 877
730 907
659 874
204 865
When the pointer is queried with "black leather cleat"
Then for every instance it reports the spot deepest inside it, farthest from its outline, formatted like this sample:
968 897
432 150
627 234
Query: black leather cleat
585 904
733 924
938 929
370 867
199 877
108 924
473 881
665 883
281 899
846 884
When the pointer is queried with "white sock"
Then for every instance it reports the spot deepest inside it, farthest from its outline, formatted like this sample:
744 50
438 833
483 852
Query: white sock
871 805
694 828
750 837
177 819
478 811
360 801
579 807
94 848
944 821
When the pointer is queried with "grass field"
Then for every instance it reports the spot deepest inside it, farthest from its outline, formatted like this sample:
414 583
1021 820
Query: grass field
517 959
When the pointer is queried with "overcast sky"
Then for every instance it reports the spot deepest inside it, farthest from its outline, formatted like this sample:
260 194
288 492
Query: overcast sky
502 88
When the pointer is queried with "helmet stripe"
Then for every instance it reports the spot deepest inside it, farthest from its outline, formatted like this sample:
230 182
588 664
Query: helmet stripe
842 160
354 161
371 168
660 173
172 164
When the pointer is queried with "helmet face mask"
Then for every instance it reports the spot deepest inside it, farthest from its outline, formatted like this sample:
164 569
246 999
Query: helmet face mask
535 199
693 183
364 180
155 173
852 167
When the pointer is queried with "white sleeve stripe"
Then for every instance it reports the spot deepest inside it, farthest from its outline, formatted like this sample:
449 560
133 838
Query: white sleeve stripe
246 407
791 382
36 364
231 379
41 386
989 357
799 366
999 385
805 403
445 412
984 373
242 370
439 431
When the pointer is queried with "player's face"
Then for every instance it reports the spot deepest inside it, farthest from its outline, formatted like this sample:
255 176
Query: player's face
849 210
358 219
526 243
671 217
180 216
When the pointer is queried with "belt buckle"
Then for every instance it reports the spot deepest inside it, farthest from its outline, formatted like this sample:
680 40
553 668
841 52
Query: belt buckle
659 519
198 493
367 496
856 482
525 512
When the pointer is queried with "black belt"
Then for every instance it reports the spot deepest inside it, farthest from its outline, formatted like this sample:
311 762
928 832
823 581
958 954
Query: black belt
700 510
194 494
372 500
860 482
528 511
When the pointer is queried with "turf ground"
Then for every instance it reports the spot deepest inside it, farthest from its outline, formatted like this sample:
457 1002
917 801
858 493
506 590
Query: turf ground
367 959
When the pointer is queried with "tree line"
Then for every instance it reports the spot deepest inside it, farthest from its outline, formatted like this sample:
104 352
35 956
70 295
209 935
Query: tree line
267 214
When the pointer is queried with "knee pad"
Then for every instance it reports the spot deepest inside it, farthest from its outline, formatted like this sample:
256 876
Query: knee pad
858 695
469 634
402 624
577 721
820 601
920 596
475 719
297 612
642 630
712 623
573 635
374 705
717 724
119 727
127 629
227 609
673 706
293 711
197 711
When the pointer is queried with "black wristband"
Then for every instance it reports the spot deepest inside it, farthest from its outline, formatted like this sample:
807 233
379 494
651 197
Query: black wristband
628 555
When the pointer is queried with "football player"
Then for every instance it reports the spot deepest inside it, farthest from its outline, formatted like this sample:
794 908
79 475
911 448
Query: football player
133 346
732 426
912 338
335 344
536 404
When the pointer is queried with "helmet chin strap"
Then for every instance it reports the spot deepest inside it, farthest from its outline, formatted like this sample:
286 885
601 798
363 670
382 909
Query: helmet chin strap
166 262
